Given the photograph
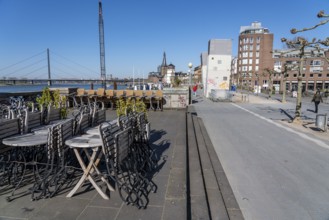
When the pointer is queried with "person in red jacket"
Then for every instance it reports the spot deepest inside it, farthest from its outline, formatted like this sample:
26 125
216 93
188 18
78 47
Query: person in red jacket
195 88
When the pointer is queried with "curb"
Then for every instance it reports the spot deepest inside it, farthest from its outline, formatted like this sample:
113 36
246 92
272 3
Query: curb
208 186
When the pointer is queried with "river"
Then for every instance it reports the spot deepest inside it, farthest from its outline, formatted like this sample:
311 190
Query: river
36 88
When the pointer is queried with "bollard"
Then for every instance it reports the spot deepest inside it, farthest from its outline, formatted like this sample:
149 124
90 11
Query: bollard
321 121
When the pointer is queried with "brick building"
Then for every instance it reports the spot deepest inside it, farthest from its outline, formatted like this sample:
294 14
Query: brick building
254 55
315 69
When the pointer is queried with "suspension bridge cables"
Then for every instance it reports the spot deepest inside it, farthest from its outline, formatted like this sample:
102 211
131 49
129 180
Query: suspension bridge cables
72 67
19 69
22 61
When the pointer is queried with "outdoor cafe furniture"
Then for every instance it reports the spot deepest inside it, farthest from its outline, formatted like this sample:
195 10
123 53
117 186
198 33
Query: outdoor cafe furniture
159 98
81 146
122 162
149 98
45 155
8 127
27 150
109 94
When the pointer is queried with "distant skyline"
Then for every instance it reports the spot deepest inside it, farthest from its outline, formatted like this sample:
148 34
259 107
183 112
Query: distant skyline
136 33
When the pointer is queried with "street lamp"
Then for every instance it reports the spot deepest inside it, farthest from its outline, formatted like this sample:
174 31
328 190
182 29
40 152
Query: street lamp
190 65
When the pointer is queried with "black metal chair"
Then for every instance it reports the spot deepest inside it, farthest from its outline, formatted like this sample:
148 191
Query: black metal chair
55 171
122 166
8 127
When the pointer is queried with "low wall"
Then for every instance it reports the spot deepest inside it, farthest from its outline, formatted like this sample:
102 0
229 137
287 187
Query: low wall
175 98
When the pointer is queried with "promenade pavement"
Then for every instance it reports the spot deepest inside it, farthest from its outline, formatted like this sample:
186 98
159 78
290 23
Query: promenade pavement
191 181
168 138
252 167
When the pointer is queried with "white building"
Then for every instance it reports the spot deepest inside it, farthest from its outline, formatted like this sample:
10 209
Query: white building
216 72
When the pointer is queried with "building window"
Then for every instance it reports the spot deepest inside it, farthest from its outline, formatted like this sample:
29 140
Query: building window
257 54
245 61
251 47
319 75
215 68
256 68
257 61
250 61
219 62
295 75
258 39
257 47
251 40
316 63
250 54
225 78
311 75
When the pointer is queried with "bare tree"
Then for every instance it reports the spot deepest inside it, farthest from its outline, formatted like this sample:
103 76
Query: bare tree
301 44
270 73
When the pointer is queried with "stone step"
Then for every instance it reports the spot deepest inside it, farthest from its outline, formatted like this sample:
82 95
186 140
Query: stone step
211 196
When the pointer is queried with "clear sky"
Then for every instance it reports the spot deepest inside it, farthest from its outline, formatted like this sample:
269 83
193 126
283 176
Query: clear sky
137 32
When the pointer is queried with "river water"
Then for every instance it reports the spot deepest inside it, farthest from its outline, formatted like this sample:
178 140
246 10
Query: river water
35 88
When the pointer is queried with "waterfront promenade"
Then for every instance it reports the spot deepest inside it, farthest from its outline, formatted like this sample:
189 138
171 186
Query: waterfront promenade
176 197
218 160
276 169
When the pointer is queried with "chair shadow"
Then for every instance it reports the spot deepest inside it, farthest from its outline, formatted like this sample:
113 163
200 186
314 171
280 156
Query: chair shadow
310 110
156 135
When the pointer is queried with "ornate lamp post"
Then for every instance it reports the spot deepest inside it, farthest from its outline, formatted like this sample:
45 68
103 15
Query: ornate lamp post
190 65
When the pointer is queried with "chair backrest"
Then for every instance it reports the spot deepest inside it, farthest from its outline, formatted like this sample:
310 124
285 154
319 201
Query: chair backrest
119 93
31 120
138 93
99 116
122 143
82 124
125 121
91 92
100 92
159 93
9 127
109 93
129 92
148 92
57 135
53 114
80 92
107 132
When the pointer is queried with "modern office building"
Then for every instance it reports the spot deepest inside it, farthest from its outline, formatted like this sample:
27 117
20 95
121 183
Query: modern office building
254 55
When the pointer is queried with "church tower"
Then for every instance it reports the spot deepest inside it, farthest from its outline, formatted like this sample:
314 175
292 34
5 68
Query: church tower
164 66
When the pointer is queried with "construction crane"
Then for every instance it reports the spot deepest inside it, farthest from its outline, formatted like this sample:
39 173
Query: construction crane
101 44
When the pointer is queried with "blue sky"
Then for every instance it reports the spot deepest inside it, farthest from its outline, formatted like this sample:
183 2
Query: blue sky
136 32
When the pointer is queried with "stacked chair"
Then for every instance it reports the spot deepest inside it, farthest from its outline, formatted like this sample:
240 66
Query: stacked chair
127 162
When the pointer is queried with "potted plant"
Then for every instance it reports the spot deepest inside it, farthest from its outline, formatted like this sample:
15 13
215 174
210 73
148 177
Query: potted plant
129 106
47 98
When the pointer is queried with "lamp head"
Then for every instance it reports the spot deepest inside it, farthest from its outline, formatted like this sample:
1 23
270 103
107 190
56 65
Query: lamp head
190 65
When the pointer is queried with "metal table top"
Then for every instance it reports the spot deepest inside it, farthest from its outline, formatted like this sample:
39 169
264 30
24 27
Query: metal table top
26 140
84 141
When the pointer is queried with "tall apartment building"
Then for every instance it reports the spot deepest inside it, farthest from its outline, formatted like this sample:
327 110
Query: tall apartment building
216 70
315 74
254 55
